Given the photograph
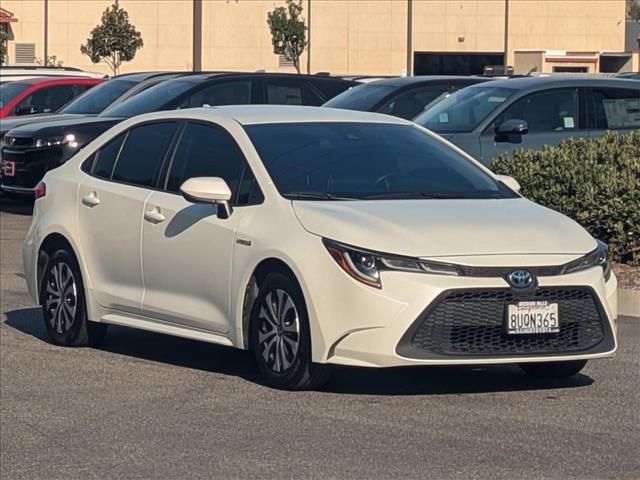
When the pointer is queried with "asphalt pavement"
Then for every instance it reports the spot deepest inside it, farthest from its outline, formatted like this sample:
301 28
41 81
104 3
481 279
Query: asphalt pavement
151 406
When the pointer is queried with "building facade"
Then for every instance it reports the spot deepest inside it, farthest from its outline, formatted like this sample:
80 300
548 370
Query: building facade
376 37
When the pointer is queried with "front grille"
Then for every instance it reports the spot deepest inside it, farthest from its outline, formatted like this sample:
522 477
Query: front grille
470 323
30 165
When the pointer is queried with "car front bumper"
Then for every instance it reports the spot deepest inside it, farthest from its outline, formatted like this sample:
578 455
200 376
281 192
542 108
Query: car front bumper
400 324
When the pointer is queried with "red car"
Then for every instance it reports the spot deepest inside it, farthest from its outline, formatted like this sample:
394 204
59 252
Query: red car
41 95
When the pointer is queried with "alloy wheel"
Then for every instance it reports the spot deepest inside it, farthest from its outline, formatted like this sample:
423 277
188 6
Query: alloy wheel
279 330
61 297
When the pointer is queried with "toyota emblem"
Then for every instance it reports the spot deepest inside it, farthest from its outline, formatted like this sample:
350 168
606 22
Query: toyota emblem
521 278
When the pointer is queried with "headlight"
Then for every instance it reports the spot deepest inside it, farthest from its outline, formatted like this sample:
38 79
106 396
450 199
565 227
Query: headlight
597 258
69 139
365 266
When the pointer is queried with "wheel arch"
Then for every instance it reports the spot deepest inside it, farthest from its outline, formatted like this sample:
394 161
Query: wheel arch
252 288
50 243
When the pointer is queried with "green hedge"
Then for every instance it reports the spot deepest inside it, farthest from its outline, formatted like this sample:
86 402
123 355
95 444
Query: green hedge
596 182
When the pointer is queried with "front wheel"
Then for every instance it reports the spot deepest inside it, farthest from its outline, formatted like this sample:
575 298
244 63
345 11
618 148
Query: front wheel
553 369
280 337
63 304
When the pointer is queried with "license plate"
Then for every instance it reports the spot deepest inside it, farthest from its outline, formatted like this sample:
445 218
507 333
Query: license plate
532 318
8 169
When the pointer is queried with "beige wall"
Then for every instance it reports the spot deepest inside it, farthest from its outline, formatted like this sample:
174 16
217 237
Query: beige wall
348 36
578 26
438 25
165 27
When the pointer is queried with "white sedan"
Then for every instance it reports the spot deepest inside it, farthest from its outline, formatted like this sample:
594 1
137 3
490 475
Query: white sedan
313 237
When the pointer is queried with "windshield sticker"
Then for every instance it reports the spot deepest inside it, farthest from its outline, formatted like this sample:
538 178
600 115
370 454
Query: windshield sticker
443 117
497 99
569 122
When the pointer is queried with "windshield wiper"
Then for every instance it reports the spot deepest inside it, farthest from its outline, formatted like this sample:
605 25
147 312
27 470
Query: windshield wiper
314 196
432 195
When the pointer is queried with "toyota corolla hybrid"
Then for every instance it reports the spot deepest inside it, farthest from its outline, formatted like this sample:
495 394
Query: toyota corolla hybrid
313 237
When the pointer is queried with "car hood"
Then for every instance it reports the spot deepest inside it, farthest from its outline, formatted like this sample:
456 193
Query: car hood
438 228
14 122
60 127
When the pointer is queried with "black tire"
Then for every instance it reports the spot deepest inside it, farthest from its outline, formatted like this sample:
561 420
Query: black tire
296 370
553 369
65 315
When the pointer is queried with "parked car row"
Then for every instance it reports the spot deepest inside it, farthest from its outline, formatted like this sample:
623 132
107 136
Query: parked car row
32 149
483 116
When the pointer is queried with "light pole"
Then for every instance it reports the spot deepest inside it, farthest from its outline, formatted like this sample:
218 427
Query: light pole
197 36
506 33
308 36
46 32
409 36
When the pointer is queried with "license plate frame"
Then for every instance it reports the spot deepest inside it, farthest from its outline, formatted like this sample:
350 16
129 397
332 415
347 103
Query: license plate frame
8 168
531 317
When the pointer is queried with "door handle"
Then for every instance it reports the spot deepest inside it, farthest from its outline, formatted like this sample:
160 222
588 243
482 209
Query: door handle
154 216
91 200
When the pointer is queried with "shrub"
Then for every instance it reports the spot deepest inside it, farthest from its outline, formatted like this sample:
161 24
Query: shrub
596 182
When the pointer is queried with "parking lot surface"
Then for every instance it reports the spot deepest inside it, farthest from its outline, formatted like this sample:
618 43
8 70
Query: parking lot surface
152 406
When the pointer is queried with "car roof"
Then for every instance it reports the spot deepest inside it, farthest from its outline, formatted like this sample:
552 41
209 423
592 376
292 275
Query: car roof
261 114
425 79
197 77
535 83
57 79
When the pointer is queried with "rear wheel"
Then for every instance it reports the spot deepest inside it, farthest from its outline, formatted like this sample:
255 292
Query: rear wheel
63 304
280 337
553 369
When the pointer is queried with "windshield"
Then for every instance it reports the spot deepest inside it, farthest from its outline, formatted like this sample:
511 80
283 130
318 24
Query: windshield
162 96
362 97
363 161
464 110
98 98
9 91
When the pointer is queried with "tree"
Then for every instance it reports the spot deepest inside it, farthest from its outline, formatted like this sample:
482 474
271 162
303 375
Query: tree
634 10
288 31
51 61
114 41
3 45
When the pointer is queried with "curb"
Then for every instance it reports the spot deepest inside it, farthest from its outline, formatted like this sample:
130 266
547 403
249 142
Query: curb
629 302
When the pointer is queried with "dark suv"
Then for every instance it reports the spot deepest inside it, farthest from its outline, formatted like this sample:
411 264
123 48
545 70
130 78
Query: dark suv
29 151
109 93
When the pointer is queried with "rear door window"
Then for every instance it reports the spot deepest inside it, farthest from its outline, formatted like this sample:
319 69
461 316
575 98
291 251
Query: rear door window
288 92
229 93
106 157
548 111
141 157
616 108
49 99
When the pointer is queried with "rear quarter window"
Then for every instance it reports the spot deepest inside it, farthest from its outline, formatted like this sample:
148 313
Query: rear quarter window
616 108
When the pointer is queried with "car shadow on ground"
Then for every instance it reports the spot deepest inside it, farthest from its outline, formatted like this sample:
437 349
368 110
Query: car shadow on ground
18 207
206 357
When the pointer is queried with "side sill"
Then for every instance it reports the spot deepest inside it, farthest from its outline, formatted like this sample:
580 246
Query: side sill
166 328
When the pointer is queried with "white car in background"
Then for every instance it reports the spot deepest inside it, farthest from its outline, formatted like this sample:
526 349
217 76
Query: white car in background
13 74
313 236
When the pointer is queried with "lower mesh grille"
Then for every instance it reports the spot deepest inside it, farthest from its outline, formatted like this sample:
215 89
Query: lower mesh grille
471 323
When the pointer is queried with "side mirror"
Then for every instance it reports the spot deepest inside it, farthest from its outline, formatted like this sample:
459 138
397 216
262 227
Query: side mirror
211 190
510 182
26 110
513 126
